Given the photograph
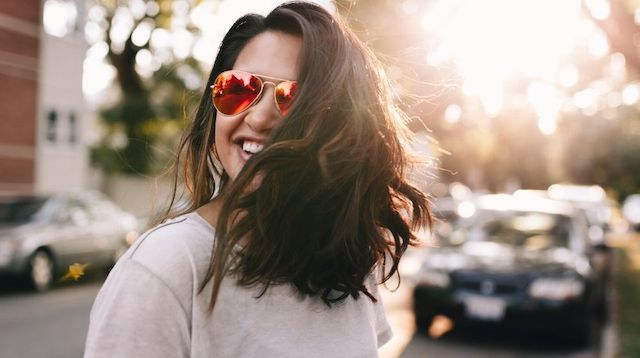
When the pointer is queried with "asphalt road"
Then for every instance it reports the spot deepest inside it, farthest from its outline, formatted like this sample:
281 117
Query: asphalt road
54 324
48 325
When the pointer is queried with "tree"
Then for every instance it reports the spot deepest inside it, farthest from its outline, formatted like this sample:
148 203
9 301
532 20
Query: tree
144 123
593 144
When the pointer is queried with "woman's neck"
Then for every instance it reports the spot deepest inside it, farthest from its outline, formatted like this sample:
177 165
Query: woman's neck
211 211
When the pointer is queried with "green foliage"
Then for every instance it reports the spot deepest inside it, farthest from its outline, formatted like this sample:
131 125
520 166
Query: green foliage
493 153
143 127
603 152
628 310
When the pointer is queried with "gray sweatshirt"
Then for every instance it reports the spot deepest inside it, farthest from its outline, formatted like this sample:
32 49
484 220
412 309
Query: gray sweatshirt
149 307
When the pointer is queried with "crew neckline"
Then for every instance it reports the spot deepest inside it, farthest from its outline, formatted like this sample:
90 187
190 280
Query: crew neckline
202 220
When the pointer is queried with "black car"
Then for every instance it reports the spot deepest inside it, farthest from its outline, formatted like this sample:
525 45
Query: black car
41 235
515 261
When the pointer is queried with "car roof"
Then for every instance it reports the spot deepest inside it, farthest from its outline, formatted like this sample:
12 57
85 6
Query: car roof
506 202
578 193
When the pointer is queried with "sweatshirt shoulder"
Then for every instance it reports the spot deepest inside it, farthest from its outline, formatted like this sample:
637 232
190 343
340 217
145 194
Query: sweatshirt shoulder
176 250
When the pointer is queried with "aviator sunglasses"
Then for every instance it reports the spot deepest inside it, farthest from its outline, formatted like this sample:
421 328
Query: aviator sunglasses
235 91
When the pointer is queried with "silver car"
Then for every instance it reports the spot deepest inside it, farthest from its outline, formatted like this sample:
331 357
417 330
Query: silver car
41 236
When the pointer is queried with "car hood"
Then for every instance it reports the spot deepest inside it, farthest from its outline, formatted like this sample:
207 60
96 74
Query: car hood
499 258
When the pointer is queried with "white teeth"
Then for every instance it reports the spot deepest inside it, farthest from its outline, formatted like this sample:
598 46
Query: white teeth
252 147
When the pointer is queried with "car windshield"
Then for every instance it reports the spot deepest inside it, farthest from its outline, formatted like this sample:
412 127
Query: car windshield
17 210
527 230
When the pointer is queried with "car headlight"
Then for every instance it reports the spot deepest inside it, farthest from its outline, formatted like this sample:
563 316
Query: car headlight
434 278
556 288
7 250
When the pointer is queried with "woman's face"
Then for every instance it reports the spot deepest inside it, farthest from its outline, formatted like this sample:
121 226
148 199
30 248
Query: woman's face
237 137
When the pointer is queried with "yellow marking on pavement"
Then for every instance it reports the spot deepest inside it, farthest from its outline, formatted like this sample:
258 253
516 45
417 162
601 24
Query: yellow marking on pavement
440 325
75 272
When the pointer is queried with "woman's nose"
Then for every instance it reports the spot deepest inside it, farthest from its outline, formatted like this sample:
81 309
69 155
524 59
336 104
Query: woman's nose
263 115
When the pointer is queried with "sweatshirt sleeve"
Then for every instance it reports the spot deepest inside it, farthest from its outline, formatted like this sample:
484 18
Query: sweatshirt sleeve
383 328
136 314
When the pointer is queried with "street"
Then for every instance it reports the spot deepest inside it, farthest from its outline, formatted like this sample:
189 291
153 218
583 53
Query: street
47 325
54 324
482 342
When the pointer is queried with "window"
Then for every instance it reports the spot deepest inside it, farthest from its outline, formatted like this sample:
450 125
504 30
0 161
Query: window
52 126
73 128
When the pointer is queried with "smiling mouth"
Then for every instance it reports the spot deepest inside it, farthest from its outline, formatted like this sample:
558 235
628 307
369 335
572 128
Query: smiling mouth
250 147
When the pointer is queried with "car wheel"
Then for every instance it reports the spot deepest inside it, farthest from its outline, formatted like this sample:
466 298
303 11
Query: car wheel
41 271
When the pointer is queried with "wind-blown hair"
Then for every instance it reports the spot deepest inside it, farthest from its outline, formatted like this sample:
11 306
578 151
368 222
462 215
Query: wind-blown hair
326 202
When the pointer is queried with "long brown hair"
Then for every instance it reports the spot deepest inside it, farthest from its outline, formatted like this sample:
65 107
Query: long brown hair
333 202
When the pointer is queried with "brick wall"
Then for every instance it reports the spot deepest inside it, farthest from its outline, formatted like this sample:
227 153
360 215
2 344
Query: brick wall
19 58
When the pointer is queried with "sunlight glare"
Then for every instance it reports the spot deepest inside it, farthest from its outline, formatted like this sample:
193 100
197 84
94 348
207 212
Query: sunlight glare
494 40
97 74
121 27
453 113
160 38
598 44
586 100
142 33
146 64
568 76
153 8
182 43
138 8
614 99
599 9
630 94
617 67
203 51
214 18
505 35
547 101
466 209
409 6
59 17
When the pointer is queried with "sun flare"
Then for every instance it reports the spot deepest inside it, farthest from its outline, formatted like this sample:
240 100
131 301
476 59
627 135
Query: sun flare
494 41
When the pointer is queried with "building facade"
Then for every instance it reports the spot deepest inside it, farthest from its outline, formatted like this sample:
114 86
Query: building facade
42 148
20 33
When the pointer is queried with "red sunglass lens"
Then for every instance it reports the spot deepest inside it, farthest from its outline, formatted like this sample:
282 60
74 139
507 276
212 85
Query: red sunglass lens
233 92
285 93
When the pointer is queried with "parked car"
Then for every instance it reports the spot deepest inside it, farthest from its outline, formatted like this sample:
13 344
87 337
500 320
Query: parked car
515 261
40 236
631 210
591 199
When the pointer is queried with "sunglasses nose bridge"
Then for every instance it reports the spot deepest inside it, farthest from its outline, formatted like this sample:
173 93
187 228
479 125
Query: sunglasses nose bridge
262 111
263 88
265 83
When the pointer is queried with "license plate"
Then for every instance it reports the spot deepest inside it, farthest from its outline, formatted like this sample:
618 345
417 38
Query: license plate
484 308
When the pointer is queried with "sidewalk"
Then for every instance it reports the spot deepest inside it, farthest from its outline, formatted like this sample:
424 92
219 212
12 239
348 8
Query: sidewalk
397 306
626 295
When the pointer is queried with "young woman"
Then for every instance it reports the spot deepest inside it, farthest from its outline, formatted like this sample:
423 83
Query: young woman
295 169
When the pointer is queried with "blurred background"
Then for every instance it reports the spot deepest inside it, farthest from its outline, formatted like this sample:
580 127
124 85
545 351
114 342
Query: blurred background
527 112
